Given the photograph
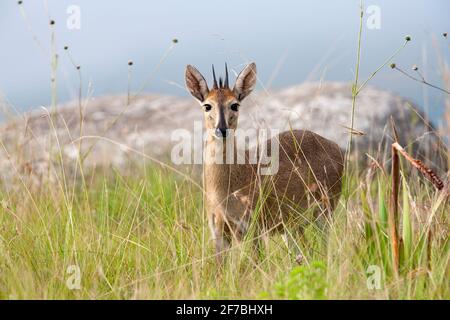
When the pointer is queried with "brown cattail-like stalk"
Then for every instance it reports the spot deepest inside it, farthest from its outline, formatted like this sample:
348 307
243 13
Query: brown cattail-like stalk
427 172
393 213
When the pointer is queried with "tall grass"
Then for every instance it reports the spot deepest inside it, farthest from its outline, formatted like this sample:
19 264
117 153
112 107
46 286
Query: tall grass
141 236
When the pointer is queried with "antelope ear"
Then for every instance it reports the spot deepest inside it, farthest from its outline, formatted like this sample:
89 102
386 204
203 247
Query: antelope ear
245 82
196 83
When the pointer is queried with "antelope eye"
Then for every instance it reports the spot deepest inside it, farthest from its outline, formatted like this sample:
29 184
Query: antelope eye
235 106
207 107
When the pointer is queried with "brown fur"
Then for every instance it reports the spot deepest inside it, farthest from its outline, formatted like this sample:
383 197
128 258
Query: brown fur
310 170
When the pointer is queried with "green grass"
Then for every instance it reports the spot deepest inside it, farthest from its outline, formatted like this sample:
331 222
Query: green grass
145 236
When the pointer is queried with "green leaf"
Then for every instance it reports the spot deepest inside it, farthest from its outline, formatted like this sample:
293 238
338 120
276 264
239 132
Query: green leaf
382 210
407 227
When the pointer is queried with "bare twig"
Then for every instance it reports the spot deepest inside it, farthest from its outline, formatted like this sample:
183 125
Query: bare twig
422 80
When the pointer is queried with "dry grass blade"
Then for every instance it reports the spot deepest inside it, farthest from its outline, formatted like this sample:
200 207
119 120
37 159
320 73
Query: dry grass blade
427 172
354 131
394 129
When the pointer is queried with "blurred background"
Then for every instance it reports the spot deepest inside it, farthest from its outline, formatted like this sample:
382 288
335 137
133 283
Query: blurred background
291 42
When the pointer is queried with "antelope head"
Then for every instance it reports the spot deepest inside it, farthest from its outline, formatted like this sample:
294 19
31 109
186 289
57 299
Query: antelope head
221 103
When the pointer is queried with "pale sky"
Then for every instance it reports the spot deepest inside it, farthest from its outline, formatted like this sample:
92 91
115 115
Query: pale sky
291 42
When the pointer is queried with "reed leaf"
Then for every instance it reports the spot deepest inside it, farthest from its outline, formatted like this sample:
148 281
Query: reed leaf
406 223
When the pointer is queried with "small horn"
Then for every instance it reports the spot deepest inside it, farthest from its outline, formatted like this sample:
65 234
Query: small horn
214 78
226 76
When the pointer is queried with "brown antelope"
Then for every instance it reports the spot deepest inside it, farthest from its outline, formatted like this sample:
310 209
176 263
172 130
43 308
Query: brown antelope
309 172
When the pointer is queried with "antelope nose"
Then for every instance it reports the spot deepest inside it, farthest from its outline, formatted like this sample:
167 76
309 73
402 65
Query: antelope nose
221 132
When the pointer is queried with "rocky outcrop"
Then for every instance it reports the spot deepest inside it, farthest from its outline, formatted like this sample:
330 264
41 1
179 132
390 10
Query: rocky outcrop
116 132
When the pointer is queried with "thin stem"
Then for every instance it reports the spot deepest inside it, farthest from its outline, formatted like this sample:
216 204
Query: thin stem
155 69
131 98
382 66
54 68
421 76
129 84
421 81
30 30
354 95
80 97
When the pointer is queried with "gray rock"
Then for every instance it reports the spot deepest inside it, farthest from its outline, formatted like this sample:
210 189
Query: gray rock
116 133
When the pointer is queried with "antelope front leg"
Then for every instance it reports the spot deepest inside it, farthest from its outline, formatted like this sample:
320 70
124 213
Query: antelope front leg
221 235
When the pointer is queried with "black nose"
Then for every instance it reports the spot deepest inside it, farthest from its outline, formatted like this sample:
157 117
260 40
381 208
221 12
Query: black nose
222 132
